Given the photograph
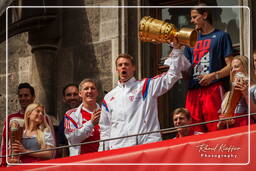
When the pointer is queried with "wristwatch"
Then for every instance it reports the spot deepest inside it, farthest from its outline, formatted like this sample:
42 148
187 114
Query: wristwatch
217 76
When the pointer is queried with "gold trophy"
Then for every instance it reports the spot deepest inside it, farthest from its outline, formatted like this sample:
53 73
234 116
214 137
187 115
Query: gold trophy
16 131
153 30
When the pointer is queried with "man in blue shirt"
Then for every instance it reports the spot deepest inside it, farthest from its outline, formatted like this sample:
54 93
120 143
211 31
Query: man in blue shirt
210 58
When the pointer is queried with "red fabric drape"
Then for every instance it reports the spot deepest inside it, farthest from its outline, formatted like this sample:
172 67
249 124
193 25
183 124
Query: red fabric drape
226 149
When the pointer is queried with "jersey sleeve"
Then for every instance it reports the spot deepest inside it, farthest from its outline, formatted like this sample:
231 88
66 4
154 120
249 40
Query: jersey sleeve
75 134
3 146
160 84
105 125
188 53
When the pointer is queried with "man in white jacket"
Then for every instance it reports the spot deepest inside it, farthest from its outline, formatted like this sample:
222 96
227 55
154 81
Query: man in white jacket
131 107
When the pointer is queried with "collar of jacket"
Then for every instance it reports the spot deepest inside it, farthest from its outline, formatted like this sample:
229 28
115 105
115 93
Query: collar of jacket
131 80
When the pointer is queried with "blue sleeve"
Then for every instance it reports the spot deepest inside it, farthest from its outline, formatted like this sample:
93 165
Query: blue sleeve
61 135
226 45
188 54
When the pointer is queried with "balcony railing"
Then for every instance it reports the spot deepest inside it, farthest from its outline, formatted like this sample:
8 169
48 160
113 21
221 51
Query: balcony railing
163 131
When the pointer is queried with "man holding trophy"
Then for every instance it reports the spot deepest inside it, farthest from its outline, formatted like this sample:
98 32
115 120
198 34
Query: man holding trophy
131 107
210 58
210 53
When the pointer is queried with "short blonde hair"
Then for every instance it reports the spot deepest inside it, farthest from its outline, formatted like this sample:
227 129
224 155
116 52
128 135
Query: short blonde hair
85 81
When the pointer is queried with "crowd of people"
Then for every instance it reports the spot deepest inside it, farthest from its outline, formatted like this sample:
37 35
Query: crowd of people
131 107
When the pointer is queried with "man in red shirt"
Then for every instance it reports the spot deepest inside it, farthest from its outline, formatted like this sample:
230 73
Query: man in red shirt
26 96
81 123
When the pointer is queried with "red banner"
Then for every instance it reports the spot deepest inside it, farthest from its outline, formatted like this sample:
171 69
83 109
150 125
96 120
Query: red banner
227 149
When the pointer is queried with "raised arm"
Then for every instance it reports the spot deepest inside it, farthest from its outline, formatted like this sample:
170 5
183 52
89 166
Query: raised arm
177 63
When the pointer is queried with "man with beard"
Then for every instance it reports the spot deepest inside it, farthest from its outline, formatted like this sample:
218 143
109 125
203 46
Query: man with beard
71 96
71 100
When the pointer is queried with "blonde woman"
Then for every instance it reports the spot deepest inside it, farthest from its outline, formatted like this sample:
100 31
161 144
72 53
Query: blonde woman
253 87
37 135
239 76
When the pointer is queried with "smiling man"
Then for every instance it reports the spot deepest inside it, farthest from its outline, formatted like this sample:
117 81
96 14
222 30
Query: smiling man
81 124
131 107
71 100
181 117
26 96
71 96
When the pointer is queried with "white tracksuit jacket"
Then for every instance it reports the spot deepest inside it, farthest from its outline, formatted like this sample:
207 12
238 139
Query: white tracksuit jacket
131 107
75 130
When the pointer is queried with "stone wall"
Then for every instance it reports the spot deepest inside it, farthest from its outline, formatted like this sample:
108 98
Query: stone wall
88 44
19 70
87 48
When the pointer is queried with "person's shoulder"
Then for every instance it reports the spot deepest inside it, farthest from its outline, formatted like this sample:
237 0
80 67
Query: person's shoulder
253 87
112 92
142 80
14 115
70 111
148 79
221 32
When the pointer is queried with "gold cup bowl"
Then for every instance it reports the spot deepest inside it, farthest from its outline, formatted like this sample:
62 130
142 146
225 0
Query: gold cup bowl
158 31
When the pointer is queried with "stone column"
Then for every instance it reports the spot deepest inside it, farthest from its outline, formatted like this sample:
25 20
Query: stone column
43 77
45 43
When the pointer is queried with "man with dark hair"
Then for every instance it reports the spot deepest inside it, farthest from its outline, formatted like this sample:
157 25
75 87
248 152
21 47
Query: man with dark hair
71 96
71 100
181 117
26 96
28 86
131 107
210 58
